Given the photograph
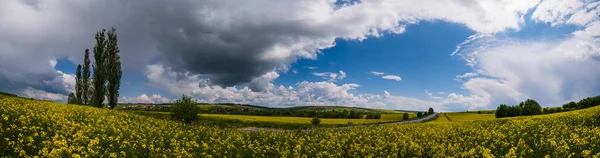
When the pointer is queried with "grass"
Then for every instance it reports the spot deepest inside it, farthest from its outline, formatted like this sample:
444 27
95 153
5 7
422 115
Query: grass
468 116
285 122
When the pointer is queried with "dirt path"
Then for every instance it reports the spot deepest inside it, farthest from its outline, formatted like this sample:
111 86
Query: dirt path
256 129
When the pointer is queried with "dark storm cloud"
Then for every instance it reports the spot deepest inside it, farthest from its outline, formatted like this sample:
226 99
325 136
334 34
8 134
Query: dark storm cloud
229 42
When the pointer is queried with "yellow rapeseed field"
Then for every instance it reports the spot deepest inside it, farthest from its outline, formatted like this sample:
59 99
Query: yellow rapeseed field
39 128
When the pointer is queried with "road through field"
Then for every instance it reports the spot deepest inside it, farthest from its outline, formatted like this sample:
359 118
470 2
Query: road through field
427 118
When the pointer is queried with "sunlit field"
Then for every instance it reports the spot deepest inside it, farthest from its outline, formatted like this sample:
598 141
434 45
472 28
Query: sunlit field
441 118
40 128
468 116
227 120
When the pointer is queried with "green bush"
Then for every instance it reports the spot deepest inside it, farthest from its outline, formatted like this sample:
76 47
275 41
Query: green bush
377 116
405 116
315 121
185 110
419 114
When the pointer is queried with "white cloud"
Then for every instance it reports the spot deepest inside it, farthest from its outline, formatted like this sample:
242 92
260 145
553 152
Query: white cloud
302 93
551 71
430 95
43 95
376 73
155 98
392 77
331 76
342 75
312 67
264 82
467 75
559 12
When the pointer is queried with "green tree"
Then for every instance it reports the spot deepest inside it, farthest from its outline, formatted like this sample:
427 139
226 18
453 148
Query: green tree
72 99
86 78
185 110
99 69
502 111
78 85
405 116
114 67
315 121
430 111
419 114
531 107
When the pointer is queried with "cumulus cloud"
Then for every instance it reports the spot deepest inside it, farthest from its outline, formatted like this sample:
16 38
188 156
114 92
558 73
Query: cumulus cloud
227 42
263 82
392 77
302 93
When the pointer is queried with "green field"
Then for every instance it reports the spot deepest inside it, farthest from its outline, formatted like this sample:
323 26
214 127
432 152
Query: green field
468 116
441 118
228 120
306 120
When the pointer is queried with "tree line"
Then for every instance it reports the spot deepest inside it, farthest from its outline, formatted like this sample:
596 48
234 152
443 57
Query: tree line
532 107
106 78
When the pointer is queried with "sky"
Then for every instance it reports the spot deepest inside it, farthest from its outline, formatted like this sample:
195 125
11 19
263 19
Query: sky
451 55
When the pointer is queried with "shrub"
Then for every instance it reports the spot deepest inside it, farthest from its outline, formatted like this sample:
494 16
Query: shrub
405 116
350 123
419 114
185 110
478 112
315 121
430 111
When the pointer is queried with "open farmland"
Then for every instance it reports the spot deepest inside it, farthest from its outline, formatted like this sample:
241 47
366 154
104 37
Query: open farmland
41 128
468 116
227 120
441 118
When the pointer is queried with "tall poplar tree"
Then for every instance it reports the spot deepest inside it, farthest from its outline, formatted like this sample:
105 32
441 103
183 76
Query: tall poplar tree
113 67
99 69
78 85
86 78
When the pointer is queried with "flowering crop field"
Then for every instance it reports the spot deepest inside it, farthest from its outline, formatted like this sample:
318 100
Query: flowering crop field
39 128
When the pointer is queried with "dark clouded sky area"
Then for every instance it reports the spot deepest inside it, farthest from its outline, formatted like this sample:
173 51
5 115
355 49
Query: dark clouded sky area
412 55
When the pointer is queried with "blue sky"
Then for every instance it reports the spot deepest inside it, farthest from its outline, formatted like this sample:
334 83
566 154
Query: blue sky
333 55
